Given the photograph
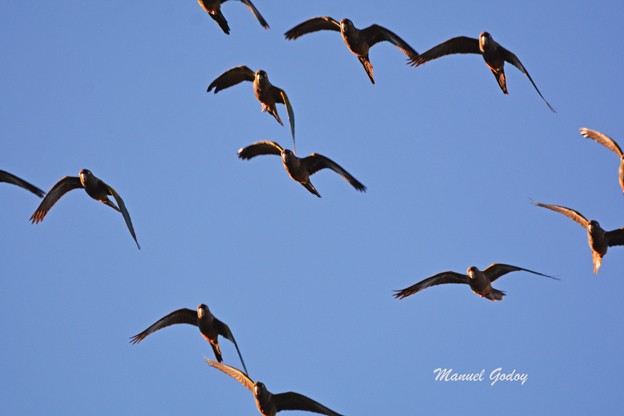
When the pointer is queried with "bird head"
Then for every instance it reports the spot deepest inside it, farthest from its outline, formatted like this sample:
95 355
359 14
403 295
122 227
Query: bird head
346 24
261 75
472 272
84 175
260 389
593 225
287 156
202 310
485 39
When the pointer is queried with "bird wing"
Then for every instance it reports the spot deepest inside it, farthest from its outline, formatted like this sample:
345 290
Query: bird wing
296 401
375 33
515 61
615 237
570 213
231 77
235 373
281 97
58 190
437 279
603 139
124 212
225 332
313 25
255 11
10 178
264 147
460 44
496 270
181 316
316 162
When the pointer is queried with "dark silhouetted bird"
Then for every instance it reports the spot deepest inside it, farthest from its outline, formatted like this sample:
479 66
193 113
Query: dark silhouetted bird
213 8
10 178
209 326
480 281
267 93
359 41
493 53
599 240
300 169
610 144
94 187
270 404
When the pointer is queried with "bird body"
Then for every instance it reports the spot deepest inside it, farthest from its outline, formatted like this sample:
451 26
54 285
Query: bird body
358 41
299 169
265 92
269 404
480 282
493 53
94 187
209 326
213 8
598 239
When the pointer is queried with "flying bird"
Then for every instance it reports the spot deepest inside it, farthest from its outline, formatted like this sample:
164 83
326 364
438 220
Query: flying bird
359 41
94 187
10 178
299 169
270 404
610 144
209 326
480 281
493 53
599 240
267 93
213 8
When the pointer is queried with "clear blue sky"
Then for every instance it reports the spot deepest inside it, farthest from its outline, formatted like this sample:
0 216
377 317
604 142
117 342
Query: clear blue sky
305 284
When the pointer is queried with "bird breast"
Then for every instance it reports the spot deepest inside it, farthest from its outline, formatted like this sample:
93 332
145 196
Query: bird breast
597 241
355 43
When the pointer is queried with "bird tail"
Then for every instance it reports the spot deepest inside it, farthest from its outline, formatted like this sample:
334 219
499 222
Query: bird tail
217 351
597 260
220 19
308 185
500 78
495 295
368 67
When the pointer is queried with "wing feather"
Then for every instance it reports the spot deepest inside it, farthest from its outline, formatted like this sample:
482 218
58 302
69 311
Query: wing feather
225 332
615 237
496 270
568 212
316 162
313 25
437 279
296 401
235 373
515 61
63 186
460 44
181 316
264 147
256 13
281 97
375 34
10 178
124 212
603 139
231 77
